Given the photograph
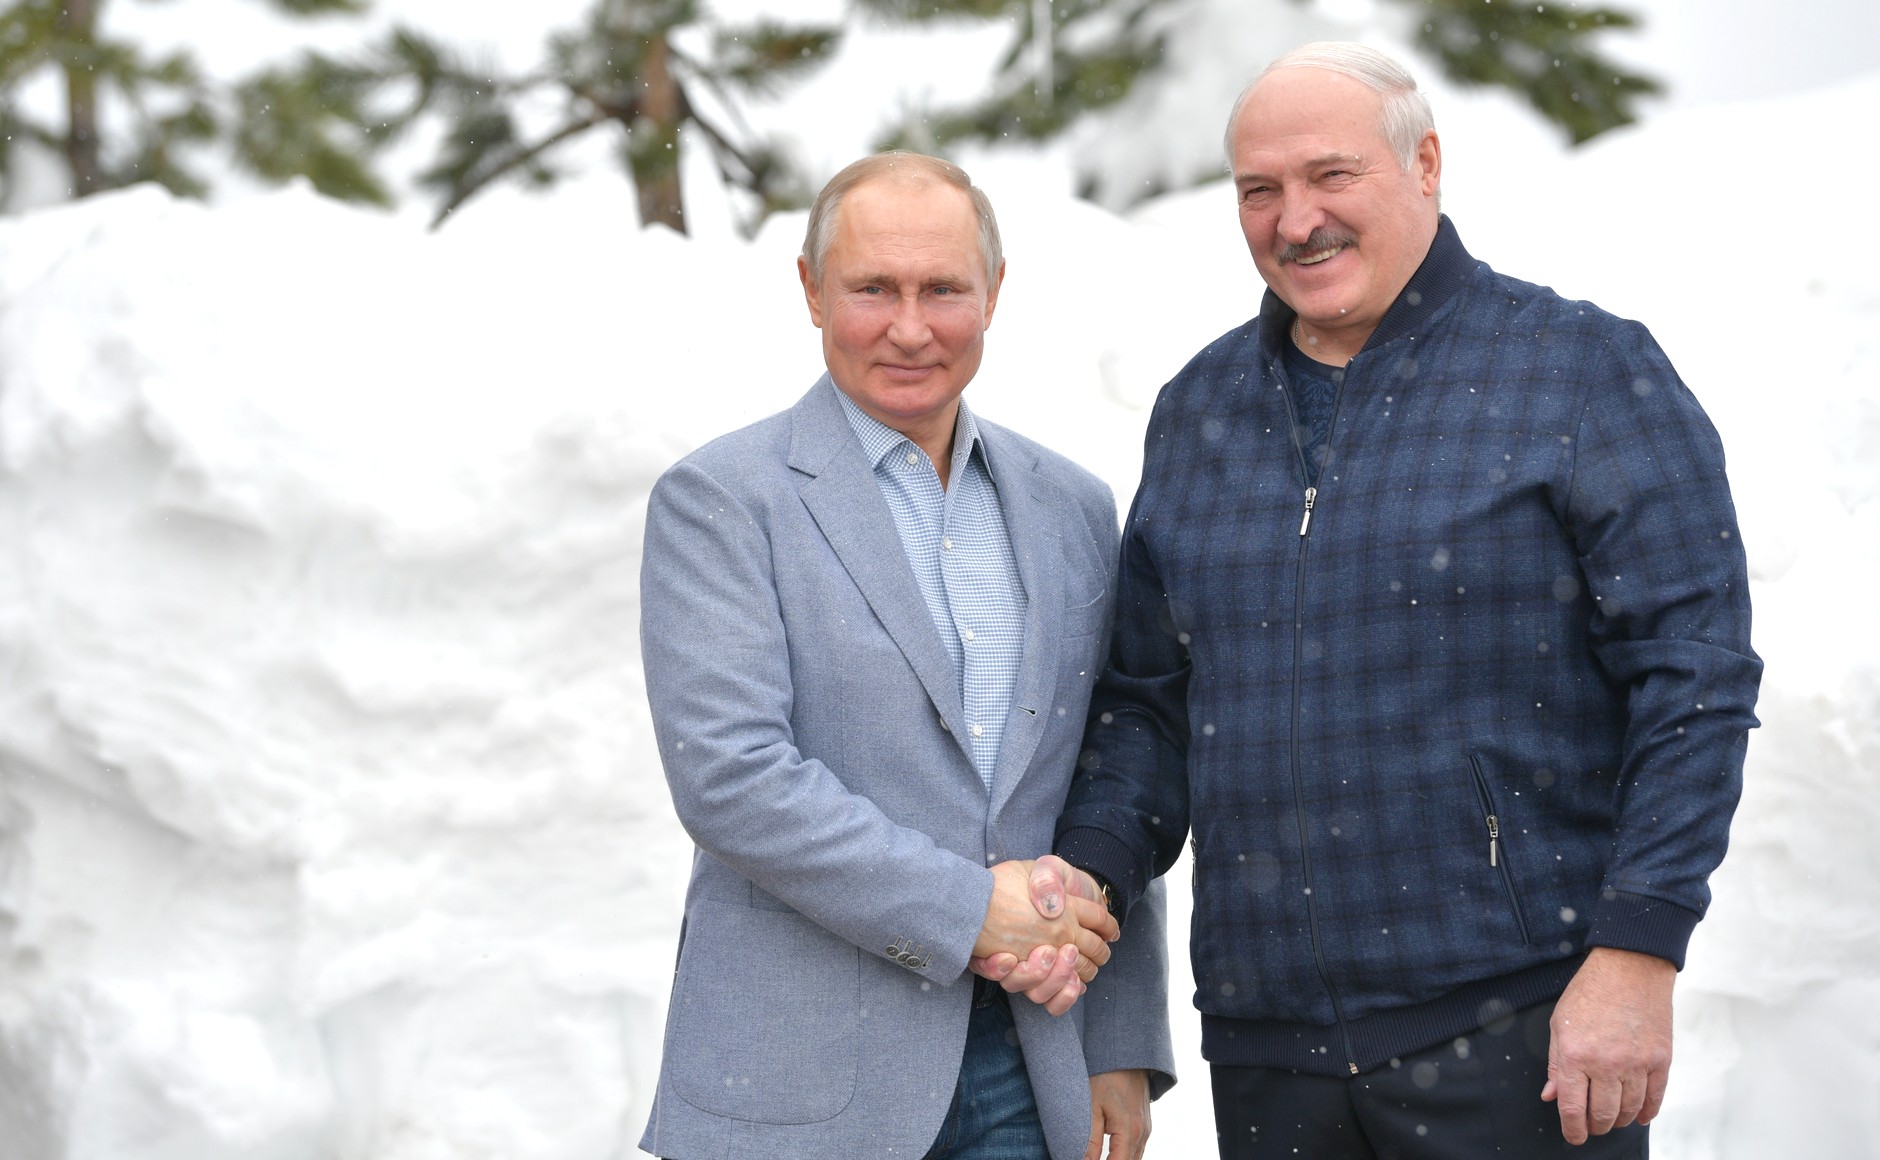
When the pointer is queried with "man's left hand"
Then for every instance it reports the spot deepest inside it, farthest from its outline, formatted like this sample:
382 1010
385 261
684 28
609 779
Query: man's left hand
1610 1050
1119 1109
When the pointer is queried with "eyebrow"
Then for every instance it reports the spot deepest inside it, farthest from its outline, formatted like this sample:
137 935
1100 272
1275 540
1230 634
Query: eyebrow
881 277
1318 162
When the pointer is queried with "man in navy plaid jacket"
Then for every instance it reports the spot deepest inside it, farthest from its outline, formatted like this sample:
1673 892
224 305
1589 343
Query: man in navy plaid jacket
1432 636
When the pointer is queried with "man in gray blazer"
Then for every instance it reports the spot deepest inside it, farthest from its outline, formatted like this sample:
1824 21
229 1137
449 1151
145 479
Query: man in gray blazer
870 628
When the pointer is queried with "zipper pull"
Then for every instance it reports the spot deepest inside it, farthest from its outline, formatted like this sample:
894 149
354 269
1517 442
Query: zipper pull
1312 493
1494 840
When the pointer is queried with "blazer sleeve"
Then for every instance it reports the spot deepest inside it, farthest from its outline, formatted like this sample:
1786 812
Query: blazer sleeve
1126 1018
718 677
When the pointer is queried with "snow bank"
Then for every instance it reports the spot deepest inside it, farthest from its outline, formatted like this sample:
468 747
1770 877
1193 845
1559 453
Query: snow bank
329 819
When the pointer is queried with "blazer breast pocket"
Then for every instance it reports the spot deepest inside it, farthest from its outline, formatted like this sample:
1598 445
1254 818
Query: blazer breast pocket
764 1015
1086 610
1086 586
1086 598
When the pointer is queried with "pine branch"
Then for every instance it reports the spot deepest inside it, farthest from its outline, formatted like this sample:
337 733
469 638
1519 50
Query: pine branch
314 122
321 7
761 58
1544 53
469 188
723 148
28 32
1081 85
937 11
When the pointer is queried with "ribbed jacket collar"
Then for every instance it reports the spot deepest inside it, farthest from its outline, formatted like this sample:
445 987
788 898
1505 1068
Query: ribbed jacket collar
1441 276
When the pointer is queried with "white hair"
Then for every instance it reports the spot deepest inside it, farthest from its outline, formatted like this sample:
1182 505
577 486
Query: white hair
1406 116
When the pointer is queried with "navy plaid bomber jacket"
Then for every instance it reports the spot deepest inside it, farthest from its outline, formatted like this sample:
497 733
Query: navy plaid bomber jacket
1475 703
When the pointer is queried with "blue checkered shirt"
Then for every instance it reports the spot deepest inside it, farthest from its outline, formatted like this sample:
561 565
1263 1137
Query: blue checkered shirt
957 545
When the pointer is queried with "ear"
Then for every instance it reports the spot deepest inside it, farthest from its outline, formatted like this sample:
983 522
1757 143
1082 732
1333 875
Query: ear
1430 164
992 292
812 292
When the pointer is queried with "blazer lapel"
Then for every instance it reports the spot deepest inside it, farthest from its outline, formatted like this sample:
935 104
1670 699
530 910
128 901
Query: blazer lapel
845 501
1036 529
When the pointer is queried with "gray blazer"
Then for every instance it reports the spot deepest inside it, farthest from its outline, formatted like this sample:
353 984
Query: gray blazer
810 724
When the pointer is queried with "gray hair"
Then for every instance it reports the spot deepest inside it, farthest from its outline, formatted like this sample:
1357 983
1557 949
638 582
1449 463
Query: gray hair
1406 116
901 165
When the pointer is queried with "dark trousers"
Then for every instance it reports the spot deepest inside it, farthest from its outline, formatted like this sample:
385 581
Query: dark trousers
1478 1096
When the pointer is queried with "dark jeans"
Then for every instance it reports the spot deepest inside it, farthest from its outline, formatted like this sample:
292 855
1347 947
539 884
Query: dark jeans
993 1116
1478 1096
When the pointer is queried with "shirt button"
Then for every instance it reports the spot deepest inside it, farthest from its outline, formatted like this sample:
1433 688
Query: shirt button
969 634
978 731
947 543
913 457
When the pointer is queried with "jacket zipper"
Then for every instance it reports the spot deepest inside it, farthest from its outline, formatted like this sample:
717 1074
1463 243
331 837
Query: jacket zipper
1497 856
1299 809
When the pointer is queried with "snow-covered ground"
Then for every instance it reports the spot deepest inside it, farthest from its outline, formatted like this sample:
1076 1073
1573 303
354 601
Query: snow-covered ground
330 827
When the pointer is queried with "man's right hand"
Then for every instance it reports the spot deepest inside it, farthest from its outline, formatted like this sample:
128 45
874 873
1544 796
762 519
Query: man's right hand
1048 976
1053 973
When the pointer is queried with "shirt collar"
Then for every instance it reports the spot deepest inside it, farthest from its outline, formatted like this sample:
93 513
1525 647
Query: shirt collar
879 439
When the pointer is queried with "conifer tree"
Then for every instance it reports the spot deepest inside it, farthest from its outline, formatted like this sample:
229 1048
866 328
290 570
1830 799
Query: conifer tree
1543 52
1070 58
663 75
1066 58
163 104
623 68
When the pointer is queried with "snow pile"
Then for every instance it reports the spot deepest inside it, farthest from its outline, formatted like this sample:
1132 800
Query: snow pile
329 820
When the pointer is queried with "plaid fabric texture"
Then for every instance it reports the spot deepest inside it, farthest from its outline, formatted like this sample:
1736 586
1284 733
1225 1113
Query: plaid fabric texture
956 542
1519 595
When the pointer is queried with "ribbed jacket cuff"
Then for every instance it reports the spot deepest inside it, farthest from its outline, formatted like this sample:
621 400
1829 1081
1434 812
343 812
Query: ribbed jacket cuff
1633 922
1101 853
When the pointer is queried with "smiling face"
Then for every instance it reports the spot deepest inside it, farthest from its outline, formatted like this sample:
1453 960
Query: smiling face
903 303
1335 224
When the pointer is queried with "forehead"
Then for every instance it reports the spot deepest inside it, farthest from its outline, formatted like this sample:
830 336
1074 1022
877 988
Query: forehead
1298 112
892 215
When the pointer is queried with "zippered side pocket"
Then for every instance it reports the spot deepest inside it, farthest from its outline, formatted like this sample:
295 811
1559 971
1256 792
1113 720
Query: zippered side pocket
1497 845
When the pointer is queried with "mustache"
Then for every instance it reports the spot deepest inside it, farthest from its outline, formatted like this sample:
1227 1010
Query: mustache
1318 241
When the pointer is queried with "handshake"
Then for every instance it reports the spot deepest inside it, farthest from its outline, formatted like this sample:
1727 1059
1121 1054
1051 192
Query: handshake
1047 930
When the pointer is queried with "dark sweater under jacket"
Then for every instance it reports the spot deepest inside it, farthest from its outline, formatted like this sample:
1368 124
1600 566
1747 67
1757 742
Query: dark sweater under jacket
1476 702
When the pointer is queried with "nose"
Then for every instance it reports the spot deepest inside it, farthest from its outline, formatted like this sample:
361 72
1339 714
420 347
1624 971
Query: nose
909 328
1299 214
